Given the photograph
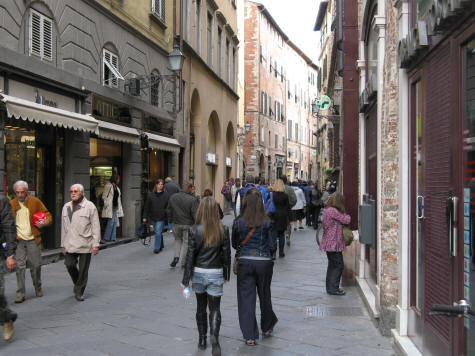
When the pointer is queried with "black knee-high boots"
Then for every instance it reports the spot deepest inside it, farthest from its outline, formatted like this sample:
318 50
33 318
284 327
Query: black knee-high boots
214 323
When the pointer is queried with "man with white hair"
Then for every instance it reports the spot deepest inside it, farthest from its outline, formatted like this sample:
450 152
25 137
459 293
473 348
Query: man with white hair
30 216
80 236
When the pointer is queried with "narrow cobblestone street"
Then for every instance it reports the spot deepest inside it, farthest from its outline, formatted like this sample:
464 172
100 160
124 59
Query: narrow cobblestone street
134 306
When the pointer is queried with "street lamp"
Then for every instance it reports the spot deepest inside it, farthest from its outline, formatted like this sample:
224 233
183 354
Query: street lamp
176 58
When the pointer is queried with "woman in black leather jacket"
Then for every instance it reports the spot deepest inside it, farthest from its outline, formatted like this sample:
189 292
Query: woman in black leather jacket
253 239
208 263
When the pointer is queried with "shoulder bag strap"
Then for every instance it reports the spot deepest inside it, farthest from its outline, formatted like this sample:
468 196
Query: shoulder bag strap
248 236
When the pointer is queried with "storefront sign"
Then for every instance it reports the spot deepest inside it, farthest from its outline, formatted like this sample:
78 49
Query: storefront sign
105 109
437 19
40 99
40 96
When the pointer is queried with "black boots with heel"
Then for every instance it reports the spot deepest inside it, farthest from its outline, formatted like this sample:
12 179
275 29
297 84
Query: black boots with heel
202 324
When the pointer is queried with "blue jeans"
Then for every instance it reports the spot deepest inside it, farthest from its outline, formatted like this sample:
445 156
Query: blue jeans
210 283
111 227
158 228
170 227
234 208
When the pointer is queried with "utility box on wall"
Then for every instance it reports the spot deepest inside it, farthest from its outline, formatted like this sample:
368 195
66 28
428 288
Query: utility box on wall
367 229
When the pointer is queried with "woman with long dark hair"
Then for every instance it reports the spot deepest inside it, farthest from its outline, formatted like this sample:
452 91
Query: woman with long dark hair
252 238
208 262
333 244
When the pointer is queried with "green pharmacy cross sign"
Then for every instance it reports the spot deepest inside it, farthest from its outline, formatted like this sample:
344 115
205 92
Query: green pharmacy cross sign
324 102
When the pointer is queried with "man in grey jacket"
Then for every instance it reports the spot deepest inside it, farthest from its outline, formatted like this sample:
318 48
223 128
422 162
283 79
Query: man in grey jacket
7 236
181 211
80 236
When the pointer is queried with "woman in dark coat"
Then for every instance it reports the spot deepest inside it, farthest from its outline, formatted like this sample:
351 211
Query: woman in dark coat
280 219
252 237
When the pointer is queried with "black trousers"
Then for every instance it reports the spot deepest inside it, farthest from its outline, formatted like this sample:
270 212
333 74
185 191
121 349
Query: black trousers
316 213
334 270
78 275
255 275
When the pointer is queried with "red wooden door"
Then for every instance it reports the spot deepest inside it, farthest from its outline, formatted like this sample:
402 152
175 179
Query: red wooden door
439 266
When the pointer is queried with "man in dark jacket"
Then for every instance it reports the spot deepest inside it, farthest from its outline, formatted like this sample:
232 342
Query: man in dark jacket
171 188
182 209
292 201
7 236
155 212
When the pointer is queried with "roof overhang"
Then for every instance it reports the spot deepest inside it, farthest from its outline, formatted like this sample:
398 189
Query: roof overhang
321 15
42 114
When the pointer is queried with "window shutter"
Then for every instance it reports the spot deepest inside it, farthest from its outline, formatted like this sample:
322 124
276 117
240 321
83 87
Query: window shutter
47 39
35 34
115 64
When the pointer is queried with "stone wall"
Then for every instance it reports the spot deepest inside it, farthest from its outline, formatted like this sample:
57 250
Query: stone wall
389 176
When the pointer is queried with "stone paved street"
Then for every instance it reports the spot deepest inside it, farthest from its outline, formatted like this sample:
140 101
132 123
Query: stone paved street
134 306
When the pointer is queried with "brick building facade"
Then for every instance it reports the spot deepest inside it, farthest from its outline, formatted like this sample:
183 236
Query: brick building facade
271 61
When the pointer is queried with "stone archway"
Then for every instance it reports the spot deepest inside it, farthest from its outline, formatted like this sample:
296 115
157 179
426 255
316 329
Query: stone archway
262 166
195 146
213 142
230 151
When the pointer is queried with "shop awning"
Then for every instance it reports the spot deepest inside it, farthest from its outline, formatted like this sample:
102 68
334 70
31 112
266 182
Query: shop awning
28 110
118 133
163 143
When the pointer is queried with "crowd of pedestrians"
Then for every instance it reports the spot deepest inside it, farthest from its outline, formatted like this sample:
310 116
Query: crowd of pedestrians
264 216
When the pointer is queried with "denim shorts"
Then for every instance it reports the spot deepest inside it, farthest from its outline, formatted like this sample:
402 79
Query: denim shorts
211 283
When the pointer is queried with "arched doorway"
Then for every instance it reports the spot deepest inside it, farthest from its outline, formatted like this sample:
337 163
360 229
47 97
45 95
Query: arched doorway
262 167
195 123
213 141
230 151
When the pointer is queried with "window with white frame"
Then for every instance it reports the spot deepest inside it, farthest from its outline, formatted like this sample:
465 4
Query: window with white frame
158 8
41 36
110 69
289 129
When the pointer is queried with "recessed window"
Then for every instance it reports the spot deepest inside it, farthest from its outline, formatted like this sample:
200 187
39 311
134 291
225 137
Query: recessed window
158 8
110 69
41 36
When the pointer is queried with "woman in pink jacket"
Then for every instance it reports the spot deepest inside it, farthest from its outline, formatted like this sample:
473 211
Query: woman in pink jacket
333 219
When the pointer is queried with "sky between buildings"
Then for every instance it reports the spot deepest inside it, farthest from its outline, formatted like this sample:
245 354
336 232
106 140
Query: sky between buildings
297 19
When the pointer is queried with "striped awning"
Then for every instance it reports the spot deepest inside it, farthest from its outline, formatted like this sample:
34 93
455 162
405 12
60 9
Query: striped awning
118 133
42 114
163 143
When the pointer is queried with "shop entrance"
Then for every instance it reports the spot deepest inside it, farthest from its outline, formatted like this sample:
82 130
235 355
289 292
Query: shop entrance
105 159
34 154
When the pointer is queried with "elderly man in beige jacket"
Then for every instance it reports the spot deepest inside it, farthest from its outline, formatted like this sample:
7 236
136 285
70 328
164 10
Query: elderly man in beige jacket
80 236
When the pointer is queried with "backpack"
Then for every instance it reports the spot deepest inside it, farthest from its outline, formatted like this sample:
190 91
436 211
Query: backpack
270 206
